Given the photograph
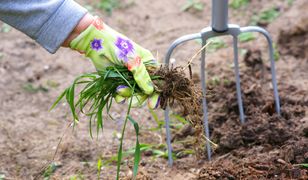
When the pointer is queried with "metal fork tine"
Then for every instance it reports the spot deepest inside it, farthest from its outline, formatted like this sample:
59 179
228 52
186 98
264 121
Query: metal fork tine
167 61
168 134
272 61
204 104
238 81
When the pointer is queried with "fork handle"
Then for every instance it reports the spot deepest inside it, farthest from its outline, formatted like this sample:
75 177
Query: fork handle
220 15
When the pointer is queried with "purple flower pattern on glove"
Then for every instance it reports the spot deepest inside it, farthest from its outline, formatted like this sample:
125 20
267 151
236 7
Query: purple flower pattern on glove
125 47
97 44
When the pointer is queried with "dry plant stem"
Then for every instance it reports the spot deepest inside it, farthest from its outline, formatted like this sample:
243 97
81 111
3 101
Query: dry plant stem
196 54
55 153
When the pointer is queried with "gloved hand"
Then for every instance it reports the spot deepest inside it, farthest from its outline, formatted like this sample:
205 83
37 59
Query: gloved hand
106 47
123 92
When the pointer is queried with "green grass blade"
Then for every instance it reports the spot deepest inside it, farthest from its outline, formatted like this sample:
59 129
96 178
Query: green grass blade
124 78
247 36
58 100
304 165
122 136
120 151
99 167
156 119
100 113
137 147
90 126
108 107
70 100
179 118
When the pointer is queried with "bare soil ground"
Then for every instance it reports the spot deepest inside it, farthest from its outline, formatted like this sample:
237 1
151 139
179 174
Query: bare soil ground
265 147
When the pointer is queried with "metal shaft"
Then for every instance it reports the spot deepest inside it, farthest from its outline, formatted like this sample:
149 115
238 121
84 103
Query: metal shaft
204 104
238 81
220 15
167 126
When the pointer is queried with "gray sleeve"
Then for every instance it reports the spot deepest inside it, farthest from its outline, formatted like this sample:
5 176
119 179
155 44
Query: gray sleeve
49 22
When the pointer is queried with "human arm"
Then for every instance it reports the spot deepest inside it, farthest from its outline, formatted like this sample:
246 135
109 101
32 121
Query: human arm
49 23
58 22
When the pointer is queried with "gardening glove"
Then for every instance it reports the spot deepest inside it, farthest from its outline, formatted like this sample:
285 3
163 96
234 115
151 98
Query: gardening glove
106 47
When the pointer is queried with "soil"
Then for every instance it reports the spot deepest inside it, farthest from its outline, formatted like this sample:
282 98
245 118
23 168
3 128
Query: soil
266 146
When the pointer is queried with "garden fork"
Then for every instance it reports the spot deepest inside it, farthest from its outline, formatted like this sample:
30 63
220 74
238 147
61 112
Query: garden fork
219 27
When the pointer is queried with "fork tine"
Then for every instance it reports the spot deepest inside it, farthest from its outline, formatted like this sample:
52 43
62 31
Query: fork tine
204 104
238 83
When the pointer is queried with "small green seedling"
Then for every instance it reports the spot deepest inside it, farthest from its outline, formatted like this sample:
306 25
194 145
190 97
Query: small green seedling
156 150
50 170
193 4
265 17
160 123
176 121
2 176
184 153
236 4
29 87
290 2
5 28
276 52
108 5
216 43
1 55
215 81
52 83
226 82
247 36
99 167
90 8
242 51
79 176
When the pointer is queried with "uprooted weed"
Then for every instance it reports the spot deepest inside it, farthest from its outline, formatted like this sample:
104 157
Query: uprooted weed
177 90
184 96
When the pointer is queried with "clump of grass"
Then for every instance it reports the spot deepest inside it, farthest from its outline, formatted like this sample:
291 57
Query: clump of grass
78 176
216 43
2 176
99 88
290 2
247 36
29 87
108 5
5 28
236 4
50 170
193 4
265 17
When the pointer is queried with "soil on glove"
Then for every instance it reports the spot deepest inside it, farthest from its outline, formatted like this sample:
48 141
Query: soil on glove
267 146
